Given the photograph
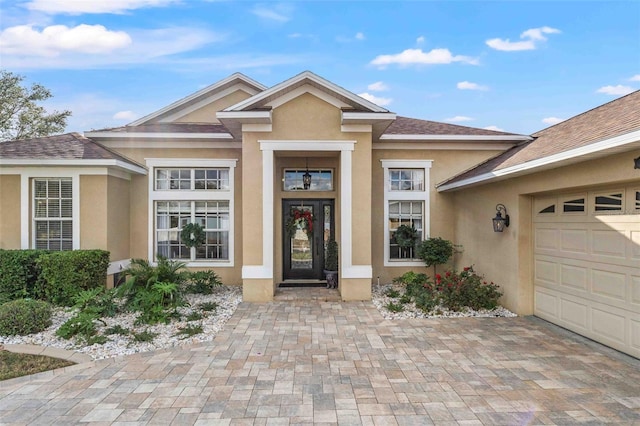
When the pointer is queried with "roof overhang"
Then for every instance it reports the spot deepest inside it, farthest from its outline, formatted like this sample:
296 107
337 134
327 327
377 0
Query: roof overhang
622 143
491 138
117 164
157 135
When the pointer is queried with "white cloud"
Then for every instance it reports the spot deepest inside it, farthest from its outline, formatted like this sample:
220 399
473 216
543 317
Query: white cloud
494 128
418 57
459 118
467 85
360 36
378 86
420 40
94 46
635 78
616 90
77 7
530 36
125 115
56 39
375 99
536 33
552 120
278 13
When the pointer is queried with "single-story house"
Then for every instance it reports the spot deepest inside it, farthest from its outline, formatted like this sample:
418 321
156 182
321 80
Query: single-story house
271 174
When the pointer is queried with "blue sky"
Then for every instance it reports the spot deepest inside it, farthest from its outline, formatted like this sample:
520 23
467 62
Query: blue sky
513 66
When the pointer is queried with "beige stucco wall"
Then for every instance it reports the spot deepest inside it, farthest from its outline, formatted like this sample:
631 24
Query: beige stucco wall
506 258
93 212
10 211
118 218
207 114
446 163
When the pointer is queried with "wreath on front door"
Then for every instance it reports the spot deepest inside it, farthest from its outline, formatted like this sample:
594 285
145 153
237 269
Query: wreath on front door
300 219
193 235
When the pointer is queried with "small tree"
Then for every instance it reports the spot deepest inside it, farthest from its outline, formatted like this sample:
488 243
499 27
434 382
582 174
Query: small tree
436 251
21 116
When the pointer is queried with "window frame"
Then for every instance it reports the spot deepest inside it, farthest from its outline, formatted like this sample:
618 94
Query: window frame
49 219
192 195
27 205
405 195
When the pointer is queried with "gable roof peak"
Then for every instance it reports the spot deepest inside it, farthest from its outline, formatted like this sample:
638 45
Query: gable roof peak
306 77
235 78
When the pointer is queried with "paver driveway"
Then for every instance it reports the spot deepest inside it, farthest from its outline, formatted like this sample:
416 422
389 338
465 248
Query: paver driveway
297 362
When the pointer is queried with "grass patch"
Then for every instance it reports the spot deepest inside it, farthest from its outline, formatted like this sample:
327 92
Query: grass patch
393 307
189 330
144 336
16 365
208 306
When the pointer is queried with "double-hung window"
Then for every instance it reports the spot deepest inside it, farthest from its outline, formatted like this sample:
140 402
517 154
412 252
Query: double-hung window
53 213
192 191
406 202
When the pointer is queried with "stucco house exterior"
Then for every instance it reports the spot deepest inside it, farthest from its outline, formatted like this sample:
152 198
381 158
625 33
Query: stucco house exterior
233 157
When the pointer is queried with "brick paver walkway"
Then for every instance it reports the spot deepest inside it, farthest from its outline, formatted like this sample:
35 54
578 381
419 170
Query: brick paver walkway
313 362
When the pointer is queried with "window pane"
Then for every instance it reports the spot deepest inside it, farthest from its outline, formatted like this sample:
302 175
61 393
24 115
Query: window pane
407 213
52 213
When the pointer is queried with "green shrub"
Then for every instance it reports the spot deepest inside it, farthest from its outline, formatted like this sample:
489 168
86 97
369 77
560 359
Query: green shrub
202 282
117 329
189 330
194 316
81 325
436 251
393 307
208 306
466 289
144 336
19 275
24 316
393 293
453 290
66 273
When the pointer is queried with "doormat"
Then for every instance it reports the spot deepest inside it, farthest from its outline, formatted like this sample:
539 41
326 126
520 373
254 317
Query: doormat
302 284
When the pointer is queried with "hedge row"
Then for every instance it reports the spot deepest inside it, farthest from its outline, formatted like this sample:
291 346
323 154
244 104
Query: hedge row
52 276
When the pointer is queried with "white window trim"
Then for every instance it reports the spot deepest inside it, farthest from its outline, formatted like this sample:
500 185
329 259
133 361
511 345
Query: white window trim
390 195
27 227
192 195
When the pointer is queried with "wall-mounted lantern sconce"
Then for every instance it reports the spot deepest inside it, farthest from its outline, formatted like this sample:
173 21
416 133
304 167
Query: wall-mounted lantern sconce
636 162
306 177
500 222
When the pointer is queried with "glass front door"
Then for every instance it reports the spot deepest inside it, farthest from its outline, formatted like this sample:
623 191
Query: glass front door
307 227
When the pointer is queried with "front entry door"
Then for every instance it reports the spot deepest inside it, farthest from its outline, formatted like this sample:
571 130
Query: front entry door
304 248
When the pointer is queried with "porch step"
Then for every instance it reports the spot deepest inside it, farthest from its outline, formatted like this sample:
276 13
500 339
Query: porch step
307 293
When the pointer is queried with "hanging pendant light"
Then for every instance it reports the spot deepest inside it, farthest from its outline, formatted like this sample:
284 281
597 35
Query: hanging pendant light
306 177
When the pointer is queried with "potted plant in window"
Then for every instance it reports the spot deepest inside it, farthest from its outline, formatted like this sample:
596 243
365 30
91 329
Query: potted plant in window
331 264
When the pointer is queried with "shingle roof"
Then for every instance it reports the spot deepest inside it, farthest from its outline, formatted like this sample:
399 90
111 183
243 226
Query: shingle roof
169 128
69 146
413 126
615 118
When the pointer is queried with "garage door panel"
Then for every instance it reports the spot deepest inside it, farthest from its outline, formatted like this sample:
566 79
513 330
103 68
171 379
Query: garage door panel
609 243
574 276
546 271
546 238
546 305
574 240
635 334
635 245
609 284
609 325
574 312
635 290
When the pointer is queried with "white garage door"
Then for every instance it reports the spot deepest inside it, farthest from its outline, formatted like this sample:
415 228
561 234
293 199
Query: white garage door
587 264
